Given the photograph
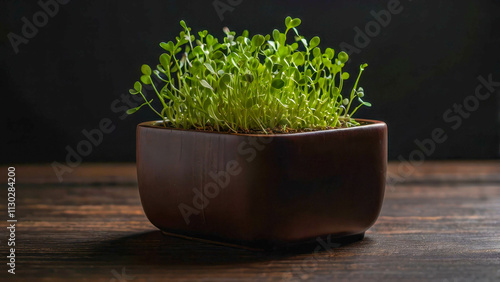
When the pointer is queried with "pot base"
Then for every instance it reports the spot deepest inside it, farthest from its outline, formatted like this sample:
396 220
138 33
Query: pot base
320 243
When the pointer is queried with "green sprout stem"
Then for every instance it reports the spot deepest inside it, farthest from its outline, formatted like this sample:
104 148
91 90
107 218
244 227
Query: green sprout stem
353 91
149 104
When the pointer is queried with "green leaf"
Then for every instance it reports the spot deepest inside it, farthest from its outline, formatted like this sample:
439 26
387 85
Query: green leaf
257 40
203 33
254 63
145 69
336 68
138 86
133 110
160 68
248 77
224 81
198 51
298 58
195 65
345 75
205 84
276 35
165 61
277 83
316 52
343 57
314 42
218 55
168 46
327 62
287 22
183 24
282 39
295 23
269 52
335 91
210 40
283 51
133 92
277 67
295 73
268 64
209 68
360 92
330 53
146 79
368 104
363 66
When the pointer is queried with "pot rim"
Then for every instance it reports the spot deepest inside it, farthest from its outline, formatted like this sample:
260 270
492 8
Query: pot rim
370 123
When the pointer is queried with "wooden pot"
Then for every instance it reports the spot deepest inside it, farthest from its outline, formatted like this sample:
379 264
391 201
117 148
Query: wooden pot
263 191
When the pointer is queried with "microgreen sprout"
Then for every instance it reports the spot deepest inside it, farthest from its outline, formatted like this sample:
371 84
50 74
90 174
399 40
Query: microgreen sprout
246 83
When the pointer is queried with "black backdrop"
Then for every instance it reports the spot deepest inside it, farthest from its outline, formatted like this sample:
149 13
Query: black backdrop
71 74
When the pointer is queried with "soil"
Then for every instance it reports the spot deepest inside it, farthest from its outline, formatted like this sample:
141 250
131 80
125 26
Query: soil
275 130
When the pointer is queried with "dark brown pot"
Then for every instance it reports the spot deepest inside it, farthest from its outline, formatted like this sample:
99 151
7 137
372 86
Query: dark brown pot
262 191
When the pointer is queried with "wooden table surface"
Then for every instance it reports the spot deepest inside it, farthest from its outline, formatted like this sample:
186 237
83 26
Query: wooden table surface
441 222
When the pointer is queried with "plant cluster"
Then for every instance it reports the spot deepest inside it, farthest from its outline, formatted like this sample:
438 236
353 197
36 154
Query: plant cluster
250 84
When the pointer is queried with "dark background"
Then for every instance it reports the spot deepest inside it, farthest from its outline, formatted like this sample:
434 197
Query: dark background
67 76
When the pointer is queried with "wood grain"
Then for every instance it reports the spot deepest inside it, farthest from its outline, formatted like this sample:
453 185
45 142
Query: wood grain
441 224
